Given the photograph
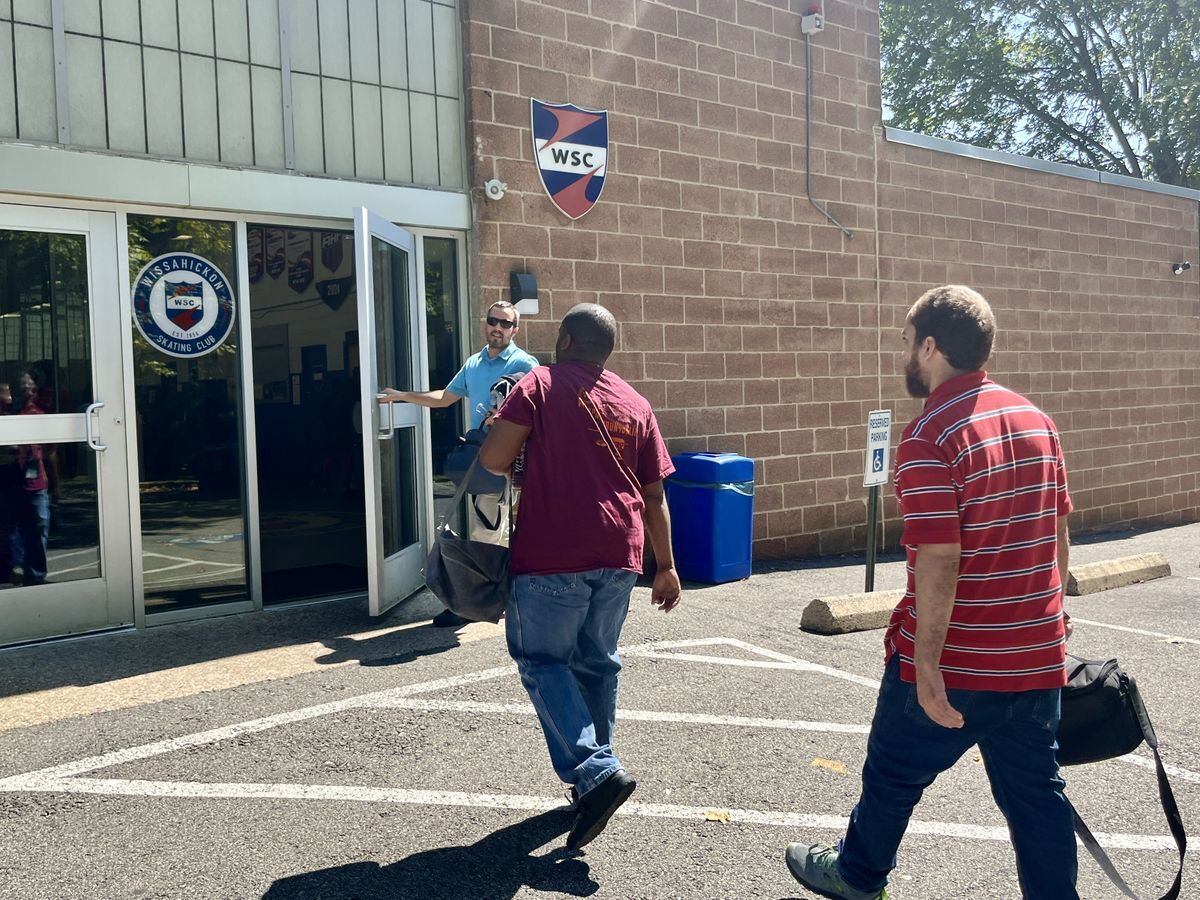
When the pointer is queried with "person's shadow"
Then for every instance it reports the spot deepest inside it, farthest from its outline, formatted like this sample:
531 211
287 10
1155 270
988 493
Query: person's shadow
493 868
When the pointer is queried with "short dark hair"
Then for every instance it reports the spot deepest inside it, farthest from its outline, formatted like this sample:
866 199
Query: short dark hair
593 331
961 323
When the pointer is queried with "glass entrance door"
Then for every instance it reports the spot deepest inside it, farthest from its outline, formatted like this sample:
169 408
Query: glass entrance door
397 481
65 559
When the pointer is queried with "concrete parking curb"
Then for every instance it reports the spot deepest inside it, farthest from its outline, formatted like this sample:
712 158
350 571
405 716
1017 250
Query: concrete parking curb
850 612
1114 573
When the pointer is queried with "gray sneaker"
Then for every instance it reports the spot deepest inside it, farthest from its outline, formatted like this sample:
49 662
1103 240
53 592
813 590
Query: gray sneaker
816 868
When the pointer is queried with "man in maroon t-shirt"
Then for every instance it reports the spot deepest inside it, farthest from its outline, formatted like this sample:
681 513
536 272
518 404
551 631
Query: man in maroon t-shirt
975 650
594 466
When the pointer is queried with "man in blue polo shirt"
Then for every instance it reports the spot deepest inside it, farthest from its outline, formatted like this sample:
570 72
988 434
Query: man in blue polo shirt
501 356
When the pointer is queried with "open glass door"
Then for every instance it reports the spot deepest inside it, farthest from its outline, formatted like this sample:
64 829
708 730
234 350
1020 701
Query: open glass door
65 558
396 481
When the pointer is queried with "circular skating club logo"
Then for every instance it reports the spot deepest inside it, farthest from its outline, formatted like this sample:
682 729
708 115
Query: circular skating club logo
183 305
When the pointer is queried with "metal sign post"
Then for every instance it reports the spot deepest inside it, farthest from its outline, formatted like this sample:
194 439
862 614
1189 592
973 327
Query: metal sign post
876 473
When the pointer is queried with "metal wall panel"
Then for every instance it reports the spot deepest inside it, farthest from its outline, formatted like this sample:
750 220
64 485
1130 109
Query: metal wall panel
125 102
338 127
36 103
195 26
199 76
368 132
82 17
8 96
367 89
232 30
160 28
397 136
264 32
266 93
32 12
164 107
120 20
234 112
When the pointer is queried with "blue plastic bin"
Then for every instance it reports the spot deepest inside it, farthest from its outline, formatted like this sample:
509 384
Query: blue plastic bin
711 498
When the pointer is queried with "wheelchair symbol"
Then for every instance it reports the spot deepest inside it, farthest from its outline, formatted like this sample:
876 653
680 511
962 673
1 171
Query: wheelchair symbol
877 459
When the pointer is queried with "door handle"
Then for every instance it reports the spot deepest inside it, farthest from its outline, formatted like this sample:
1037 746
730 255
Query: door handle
92 440
385 411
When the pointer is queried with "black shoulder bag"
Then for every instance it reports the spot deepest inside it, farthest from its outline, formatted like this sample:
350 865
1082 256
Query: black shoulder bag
469 577
1103 717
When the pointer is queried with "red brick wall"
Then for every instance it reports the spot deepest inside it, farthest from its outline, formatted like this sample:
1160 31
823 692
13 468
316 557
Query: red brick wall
752 324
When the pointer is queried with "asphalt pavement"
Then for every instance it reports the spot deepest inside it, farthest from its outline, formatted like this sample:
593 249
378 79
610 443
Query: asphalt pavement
316 753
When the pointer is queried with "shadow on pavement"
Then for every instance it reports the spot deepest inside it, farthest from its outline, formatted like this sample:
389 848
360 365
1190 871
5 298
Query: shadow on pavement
390 649
103 658
494 868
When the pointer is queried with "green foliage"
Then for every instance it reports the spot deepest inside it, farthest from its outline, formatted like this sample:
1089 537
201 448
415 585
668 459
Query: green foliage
1109 84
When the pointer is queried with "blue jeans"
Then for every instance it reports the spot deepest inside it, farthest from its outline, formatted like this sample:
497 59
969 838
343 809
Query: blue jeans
906 751
562 632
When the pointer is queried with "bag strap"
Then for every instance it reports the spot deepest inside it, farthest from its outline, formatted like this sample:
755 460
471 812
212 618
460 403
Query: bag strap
461 492
590 406
1165 795
505 500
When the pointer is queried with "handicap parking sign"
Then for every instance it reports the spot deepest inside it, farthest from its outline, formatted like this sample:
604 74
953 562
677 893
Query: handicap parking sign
879 437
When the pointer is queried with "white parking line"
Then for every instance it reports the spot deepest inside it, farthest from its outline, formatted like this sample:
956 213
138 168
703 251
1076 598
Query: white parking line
1174 638
194 562
631 715
199 739
63 554
187 561
66 778
1145 763
774 660
58 573
351 793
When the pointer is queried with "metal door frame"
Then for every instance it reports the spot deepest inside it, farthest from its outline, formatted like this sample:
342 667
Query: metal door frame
391 579
108 601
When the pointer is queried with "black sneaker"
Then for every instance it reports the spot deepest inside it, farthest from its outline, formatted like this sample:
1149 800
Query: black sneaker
448 619
597 806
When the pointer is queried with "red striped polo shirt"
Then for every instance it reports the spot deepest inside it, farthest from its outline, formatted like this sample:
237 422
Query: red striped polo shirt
982 467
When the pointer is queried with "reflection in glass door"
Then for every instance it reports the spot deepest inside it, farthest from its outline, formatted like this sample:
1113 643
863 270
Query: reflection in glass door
191 481
397 482
65 563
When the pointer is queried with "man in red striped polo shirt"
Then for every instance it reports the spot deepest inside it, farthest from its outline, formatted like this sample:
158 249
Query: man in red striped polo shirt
975 650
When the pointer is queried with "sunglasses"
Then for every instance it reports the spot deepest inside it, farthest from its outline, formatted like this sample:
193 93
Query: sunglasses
502 323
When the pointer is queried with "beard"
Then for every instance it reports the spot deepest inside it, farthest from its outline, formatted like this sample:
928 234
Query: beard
913 383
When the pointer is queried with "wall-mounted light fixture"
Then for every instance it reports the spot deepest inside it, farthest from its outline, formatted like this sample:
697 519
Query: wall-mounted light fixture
1180 267
523 287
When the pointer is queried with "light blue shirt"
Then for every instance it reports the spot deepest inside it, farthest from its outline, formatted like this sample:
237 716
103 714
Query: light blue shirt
475 379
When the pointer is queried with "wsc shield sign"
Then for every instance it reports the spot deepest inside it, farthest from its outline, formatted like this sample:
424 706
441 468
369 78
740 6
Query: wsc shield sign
571 147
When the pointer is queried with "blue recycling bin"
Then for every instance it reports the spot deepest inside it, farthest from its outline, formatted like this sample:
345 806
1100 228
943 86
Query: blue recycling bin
711 498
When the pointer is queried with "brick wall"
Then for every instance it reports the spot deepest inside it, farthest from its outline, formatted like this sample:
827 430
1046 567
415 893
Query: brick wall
755 326
1093 326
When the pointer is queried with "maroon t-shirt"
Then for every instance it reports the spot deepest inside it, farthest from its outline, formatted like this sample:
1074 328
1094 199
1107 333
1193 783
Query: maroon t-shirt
579 510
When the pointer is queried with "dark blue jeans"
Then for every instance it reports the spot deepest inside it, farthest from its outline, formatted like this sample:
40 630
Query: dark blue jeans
906 751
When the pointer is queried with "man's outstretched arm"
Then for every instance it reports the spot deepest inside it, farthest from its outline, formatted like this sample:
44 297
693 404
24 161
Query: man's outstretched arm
433 399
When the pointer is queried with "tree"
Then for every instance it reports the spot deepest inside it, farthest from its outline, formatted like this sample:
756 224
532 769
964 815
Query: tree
1109 84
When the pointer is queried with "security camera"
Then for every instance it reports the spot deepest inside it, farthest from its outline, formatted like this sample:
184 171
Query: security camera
494 188
1180 268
